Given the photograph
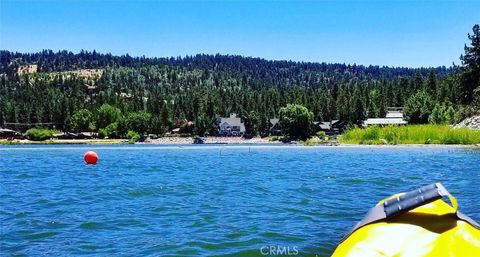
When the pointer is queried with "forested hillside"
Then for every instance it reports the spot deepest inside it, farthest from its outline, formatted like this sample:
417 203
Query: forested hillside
160 91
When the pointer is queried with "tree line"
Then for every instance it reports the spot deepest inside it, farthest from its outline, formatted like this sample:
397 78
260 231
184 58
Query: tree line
154 95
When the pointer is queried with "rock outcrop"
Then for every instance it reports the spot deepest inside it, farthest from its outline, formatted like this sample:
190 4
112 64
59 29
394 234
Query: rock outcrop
472 123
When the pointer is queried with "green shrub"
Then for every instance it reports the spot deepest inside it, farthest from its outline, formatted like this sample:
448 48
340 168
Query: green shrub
112 130
102 133
40 134
311 141
132 136
321 134
273 138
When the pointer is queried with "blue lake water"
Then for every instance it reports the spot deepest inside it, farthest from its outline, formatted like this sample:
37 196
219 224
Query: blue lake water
209 200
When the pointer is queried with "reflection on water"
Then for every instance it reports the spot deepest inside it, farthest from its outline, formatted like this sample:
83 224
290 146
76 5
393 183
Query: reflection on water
209 200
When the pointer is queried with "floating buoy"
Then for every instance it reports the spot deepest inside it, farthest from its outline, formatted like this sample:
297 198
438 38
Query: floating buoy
90 157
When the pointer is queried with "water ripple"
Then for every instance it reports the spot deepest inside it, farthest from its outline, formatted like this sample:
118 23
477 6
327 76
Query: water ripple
209 201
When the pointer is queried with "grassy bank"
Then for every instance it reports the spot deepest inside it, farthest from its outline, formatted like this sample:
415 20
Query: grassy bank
412 134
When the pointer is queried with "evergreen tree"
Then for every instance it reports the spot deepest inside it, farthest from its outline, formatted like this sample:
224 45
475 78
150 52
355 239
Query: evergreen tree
431 84
470 77
419 107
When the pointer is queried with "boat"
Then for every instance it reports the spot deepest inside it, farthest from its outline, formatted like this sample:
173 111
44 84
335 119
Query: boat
418 223
198 140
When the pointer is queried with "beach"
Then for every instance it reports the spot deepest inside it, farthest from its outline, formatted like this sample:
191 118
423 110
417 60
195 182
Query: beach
209 140
158 141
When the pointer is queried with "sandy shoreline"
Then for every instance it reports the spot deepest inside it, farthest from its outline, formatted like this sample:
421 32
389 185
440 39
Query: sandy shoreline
64 142
208 140
231 141
159 141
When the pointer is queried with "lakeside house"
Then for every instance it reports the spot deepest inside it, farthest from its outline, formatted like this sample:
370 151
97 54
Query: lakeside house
71 135
275 128
10 134
394 117
230 126
333 127
181 126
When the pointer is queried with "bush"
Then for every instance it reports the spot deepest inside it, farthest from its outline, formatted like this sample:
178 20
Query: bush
321 134
39 134
102 133
132 136
273 138
311 141
112 130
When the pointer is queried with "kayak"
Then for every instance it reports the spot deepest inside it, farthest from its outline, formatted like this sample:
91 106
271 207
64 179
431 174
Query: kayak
418 223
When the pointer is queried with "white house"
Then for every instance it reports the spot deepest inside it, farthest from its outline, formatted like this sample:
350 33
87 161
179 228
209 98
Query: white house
394 117
231 126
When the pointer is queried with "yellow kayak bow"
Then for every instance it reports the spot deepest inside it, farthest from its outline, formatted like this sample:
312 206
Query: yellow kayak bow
413 224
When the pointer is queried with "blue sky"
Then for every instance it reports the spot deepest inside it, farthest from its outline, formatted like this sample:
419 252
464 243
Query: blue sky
393 33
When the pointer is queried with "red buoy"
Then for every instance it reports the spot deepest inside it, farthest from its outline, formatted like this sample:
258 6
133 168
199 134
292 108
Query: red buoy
90 157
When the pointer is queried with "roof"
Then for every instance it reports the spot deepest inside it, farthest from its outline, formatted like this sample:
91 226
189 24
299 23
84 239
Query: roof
2 130
90 87
384 121
6 130
325 125
274 121
394 114
395 108
232 123
232 120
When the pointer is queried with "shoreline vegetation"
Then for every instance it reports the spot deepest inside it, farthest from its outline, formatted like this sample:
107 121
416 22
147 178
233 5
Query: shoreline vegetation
411 135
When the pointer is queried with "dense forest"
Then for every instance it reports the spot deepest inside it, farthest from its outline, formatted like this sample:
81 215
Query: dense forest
155 95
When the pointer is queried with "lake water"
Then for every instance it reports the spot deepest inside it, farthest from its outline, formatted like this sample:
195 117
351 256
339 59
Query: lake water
209 200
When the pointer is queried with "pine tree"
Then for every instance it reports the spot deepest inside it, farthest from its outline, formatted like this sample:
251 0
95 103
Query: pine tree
431 84
470 77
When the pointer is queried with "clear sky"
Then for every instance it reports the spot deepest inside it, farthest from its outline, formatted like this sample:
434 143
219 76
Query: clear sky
390 32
